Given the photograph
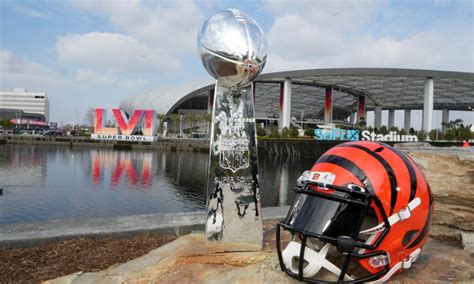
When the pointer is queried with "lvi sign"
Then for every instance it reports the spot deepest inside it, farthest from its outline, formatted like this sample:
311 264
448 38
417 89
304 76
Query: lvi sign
125 127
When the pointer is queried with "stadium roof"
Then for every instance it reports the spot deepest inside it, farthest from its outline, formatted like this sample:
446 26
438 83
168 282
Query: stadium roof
385 87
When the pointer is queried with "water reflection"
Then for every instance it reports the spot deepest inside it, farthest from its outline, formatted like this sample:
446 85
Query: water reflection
25 166
114 167
44 183
278 177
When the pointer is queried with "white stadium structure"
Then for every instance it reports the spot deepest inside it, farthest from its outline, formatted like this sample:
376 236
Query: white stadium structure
287 97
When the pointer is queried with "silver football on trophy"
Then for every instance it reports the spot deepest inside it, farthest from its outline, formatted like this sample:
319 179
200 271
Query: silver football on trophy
232 48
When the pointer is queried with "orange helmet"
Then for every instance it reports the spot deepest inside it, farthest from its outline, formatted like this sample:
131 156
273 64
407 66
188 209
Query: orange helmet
363 205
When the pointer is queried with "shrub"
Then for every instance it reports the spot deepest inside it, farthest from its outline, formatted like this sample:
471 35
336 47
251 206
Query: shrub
294 132
383 130
260 131
434 134
274 131
285 132
421 135
394 128
457 131
309 132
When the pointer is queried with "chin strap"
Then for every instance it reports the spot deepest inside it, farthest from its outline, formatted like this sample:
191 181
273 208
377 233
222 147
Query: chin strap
404 264
315 260
399 216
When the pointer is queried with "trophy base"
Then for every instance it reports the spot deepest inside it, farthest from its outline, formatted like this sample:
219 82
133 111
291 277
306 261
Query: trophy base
213 247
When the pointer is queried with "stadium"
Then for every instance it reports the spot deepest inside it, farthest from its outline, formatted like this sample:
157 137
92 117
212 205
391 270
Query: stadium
341 96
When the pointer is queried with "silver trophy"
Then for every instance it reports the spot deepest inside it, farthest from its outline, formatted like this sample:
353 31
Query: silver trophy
232 47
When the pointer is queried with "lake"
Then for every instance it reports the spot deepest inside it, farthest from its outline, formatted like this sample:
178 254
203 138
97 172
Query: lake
46 183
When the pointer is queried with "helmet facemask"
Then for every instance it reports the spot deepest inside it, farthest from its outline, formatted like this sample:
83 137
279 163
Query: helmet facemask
324 223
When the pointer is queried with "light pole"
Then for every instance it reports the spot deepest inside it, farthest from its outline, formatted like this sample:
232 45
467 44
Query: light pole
302 117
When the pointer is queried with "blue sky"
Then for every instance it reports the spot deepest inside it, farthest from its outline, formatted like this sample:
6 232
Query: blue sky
96 53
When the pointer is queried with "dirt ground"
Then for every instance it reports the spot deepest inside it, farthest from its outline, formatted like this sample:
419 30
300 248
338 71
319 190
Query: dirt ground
33 265
36 264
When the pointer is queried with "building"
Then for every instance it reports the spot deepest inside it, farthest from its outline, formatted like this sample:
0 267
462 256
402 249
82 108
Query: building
25 104
334 96
28 111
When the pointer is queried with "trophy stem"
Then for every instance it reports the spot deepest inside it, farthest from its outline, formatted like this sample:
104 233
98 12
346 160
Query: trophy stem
234 221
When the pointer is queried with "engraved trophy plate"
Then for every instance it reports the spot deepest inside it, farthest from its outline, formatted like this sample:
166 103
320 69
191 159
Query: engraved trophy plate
232 49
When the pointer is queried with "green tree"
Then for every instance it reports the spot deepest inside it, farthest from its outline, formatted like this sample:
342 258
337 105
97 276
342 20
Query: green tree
6 123
175 118
435 134
208 118
457 131
161 118
412 131
194 118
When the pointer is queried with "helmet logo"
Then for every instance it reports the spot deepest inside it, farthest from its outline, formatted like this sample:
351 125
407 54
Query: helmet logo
323 177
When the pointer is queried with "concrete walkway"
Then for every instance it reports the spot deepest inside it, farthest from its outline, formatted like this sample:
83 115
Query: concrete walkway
36 233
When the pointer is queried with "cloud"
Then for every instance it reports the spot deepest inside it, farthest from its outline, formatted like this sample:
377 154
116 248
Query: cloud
113 52
170 25
18 71
30 11
132 83
90 76
327 36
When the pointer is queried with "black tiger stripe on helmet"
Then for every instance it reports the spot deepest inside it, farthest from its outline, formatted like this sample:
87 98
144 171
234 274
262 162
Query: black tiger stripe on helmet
388 170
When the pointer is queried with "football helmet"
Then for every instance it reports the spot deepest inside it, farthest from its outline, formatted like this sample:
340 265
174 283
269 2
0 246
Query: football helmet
363 212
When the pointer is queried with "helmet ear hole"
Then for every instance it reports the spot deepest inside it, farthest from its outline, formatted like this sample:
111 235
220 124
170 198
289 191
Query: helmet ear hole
408 237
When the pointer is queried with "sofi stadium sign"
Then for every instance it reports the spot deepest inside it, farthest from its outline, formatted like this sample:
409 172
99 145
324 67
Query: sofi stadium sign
354 134
126 130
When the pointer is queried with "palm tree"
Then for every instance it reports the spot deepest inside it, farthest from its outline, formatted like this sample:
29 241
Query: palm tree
193 120
208 118
175 118
161 117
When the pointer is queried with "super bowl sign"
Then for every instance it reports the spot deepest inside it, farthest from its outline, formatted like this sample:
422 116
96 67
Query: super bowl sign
142 121
354 134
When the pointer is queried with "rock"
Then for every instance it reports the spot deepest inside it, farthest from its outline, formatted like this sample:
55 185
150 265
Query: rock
450 173
439 262
184 261
468 241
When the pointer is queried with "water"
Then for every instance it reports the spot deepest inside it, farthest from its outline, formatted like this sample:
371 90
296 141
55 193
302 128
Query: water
46 183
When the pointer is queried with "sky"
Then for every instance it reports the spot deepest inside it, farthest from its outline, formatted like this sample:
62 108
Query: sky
97 53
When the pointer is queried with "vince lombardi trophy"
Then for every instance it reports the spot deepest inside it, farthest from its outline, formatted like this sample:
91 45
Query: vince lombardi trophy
232 47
